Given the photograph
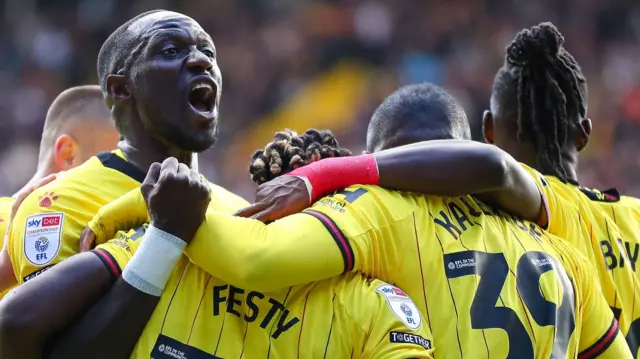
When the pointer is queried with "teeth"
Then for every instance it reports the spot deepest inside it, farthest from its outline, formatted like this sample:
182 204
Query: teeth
202 85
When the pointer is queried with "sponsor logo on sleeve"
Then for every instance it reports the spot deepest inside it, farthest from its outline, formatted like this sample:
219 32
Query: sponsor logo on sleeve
399 337
37 273
401 305
42 237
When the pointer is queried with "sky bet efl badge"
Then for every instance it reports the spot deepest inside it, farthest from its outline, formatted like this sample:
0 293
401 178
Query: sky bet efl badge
42 237
401 305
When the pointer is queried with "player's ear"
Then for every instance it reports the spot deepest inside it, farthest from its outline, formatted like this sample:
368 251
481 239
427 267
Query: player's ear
583 136
66 152
487 126
117 89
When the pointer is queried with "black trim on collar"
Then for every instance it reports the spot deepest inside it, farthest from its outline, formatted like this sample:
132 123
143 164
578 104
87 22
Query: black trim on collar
115 162
608 195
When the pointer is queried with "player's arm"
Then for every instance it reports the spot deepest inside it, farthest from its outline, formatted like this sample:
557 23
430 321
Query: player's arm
600 336
33 312
310 246
395 334
111 327
446 168
123 313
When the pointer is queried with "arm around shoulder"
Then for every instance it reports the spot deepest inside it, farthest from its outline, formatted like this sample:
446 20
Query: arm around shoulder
251 255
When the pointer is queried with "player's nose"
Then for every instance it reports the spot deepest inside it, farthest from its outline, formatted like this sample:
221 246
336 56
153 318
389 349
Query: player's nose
199 61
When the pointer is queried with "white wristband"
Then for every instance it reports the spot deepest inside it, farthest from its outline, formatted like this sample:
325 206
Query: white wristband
151 266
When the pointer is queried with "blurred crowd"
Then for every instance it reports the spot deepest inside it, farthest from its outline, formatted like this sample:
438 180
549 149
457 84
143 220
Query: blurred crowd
327 64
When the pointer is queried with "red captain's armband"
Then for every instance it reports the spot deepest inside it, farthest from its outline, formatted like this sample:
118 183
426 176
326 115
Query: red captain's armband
331 174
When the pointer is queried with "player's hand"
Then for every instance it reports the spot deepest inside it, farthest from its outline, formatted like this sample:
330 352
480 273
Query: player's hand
278 198
177 198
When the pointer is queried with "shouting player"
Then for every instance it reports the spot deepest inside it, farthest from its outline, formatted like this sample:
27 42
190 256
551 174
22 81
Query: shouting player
77 126
455 254
144 66
163 92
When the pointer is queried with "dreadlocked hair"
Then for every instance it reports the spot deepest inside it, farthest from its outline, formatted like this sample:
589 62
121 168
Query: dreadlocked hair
289 151
551 93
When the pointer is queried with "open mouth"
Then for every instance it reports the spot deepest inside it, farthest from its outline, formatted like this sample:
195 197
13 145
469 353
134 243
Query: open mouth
202 96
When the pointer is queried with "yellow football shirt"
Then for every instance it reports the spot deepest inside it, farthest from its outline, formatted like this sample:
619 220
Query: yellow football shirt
606 228
48 224
5 213
349 316
482 278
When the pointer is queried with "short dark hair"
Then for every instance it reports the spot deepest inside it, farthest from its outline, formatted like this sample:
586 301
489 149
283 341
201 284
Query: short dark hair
543 84
289 151
416 113
119 50
73 104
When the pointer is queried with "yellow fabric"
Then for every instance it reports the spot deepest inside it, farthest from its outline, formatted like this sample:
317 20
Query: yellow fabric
347 316
5 213
607 231
73 200
453 255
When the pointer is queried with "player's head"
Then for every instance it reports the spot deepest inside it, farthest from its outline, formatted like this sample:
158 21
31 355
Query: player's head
289 151
416 113
539 102
78 125
159 74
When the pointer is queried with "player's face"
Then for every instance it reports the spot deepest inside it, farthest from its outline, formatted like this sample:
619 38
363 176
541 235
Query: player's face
177 82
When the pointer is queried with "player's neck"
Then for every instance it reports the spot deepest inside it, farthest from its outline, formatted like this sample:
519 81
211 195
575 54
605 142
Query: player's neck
570 164
144 151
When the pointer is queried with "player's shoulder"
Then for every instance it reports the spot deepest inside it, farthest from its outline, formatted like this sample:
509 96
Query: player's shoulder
364 298
611 195
539 177
224 200
372 198
66 190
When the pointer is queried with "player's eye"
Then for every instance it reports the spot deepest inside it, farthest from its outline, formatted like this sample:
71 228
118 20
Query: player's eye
170 50
209 53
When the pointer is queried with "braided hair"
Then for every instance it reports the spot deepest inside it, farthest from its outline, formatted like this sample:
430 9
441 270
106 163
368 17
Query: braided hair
551 93
289 151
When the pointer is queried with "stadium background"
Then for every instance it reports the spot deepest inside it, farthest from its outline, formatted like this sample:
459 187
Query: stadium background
303 63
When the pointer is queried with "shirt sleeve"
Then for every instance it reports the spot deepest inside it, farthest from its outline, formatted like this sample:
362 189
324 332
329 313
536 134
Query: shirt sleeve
600 336
249 254
117 252
128 211
338 234
398 330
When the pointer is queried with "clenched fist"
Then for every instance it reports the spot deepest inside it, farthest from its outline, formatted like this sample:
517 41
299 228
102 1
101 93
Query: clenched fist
177 198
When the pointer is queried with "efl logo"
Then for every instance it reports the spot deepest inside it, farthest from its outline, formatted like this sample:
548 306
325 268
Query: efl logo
51 221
